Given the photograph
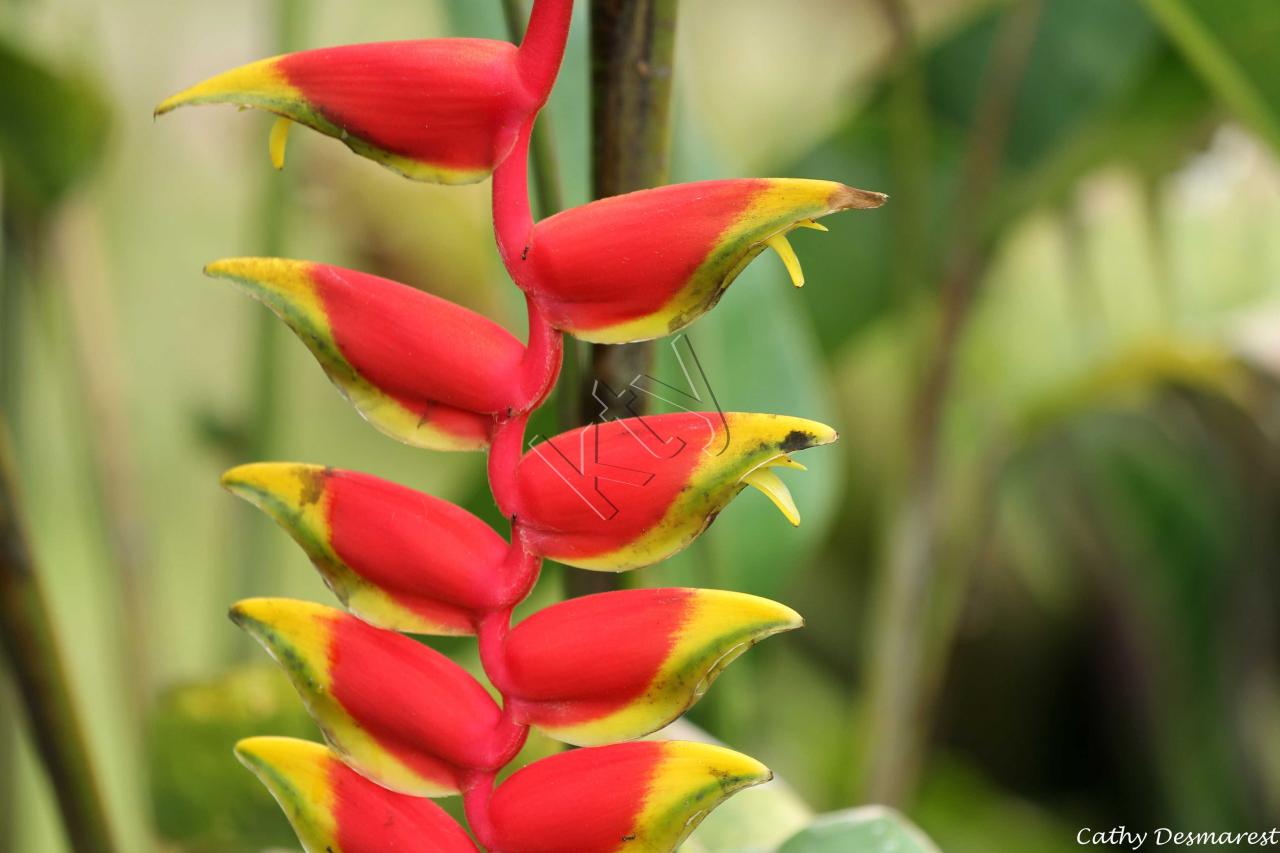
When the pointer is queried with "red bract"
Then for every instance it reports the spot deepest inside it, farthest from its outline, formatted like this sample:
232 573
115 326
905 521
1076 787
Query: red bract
335 810
629 493
394 556
418 367
445 110
649 263
628 797
400 713
615 666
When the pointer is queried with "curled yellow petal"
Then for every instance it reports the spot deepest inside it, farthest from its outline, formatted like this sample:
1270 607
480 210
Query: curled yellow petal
279 139
768 482
780 244
786 462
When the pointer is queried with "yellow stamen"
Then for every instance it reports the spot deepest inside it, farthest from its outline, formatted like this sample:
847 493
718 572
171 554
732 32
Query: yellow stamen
778 242
812 224
279 139
776 490
786 462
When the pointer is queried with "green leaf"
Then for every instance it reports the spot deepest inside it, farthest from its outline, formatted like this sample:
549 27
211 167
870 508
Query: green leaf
201 795
869 829
1233 47
54 129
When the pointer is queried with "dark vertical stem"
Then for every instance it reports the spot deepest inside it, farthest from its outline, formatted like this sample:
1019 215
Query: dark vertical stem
253 535
632 62
906 598
30 642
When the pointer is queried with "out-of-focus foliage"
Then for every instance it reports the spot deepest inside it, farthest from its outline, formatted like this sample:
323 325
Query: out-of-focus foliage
53 132
870 829
200 797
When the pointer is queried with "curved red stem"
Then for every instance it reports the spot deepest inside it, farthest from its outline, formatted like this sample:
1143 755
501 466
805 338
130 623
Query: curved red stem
542 50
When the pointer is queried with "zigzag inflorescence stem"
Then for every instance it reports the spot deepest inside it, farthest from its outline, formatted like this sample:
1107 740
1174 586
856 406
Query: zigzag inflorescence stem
403 723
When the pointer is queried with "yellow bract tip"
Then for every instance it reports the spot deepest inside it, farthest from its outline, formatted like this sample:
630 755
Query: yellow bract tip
780 244
279 139
776 490
258 84
296 482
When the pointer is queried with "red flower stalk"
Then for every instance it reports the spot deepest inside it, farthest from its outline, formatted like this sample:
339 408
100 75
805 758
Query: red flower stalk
649 263
401 713
632 796
443 110
609 497
419 368
624 494
333 808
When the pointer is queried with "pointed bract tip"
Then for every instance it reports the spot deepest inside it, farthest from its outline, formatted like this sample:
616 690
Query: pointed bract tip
282 753
289 615
259 270
852 198
258 84
771 616
296 481
687 762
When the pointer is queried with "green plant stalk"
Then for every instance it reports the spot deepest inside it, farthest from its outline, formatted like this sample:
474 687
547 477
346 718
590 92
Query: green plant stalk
907 599
632 68
253 538
29 640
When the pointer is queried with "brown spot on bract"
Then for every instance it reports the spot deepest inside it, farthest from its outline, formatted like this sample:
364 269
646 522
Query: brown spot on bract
797 440
313 483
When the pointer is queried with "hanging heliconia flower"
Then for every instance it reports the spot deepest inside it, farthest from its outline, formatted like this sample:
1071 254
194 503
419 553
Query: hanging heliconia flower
649 263
403 722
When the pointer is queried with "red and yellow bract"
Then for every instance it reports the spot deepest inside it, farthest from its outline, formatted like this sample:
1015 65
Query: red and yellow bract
628 493
649 263
333 809
443 110
401 713
421 369
628 797
397 558
665 646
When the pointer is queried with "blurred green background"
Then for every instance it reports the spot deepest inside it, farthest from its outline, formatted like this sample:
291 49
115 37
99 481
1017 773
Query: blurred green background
1039 571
